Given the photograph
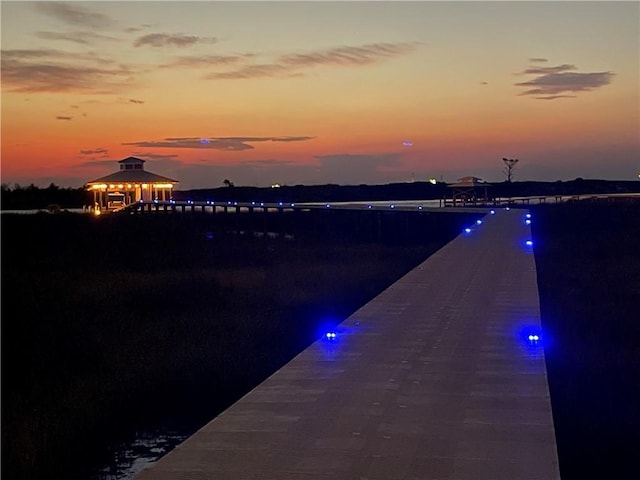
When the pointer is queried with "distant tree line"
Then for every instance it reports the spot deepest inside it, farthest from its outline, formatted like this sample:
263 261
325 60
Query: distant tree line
17 197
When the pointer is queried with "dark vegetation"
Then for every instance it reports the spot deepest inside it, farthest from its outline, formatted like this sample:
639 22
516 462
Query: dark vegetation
403 191
32 197
17 197
111 323
588 263
115 323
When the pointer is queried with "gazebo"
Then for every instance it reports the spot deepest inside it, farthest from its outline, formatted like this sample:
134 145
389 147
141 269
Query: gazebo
132 183
469 190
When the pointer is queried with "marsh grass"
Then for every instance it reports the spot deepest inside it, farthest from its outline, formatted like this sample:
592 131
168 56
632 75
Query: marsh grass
588 264
118 323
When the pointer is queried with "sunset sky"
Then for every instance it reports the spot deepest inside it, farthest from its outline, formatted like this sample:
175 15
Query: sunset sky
320 92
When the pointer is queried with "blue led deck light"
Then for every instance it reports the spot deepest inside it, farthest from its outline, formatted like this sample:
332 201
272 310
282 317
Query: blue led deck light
528 222
368 206
533 338
529 243
330 335
493 212
419 207
392 206
528 215
479 222
327 205
467 230
280 203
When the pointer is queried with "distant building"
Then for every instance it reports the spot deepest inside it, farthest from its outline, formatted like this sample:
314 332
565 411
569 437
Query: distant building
469 190
130 184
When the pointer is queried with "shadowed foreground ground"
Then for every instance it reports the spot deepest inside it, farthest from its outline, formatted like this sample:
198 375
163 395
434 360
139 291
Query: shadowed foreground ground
99 338
588 264
119 323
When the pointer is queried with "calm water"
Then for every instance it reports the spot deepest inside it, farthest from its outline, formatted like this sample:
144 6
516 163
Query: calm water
131 457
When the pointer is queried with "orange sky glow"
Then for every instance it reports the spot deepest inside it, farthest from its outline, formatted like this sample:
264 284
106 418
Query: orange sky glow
320 92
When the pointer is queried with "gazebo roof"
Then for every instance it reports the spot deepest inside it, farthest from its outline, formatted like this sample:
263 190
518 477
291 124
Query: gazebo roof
132 175
129 176
469 182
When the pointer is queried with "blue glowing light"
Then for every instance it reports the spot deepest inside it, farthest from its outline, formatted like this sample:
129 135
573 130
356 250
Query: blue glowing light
467 230
204 140
533 338
507 208
293 204
368 206
253 203
330 335
528 243
419 207
262 204
327 205
493 212
528 215
280 203
479 222
528 222
392 206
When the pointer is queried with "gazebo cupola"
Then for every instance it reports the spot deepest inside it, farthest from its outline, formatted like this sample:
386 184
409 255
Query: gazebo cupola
132 183
131 163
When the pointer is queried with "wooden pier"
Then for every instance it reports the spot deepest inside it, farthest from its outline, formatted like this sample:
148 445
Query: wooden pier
442 376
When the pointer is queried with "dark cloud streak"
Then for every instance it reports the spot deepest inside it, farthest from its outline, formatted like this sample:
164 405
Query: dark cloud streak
215 143
552 83
74 14
53 71
82 38
345 56
170 40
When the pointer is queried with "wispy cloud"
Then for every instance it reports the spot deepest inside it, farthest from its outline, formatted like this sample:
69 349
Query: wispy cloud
253 71
74 14
200 61
538 60
79 37
96 151
291 65
132 100
349 56
51 70
216 143
544 70
154 156
97 163
171 40
553 97
60 117
553 82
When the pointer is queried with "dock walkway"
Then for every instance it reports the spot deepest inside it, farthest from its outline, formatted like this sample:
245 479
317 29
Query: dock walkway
435 378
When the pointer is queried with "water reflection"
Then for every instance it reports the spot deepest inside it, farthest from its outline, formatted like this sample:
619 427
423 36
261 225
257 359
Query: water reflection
129 459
